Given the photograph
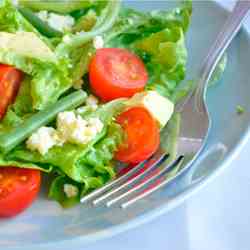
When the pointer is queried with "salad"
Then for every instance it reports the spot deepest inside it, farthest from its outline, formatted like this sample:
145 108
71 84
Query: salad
84 85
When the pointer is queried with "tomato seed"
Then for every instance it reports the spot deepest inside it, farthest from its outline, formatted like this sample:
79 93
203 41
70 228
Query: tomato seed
23 178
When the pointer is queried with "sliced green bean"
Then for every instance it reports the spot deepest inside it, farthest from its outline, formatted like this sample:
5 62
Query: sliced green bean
107 19
17 135
41 26
60 6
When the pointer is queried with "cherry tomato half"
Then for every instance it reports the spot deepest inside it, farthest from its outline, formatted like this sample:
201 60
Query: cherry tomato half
142 135
116 73
10 79
18 189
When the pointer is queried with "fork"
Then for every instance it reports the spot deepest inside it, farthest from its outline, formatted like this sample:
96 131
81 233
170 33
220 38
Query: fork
149 176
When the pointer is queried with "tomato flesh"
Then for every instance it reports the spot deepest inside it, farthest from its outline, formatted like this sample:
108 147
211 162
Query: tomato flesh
142 135
18 189
116 73
10 79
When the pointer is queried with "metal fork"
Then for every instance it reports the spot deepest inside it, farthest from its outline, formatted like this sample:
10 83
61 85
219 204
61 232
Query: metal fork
149 176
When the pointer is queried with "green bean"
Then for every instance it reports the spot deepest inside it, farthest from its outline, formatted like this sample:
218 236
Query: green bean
41 26
59 6
105 22
17 135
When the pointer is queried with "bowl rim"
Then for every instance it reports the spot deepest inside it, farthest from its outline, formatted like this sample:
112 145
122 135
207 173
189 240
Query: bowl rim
156 212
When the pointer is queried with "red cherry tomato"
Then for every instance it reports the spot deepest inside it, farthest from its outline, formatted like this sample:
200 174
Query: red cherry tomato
10 79
18 189
142 135
116 73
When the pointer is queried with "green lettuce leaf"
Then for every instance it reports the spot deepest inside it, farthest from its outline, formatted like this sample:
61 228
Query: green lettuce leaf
56 191
168 57
50 77
89 166
70 56
10 161
158 38
100 156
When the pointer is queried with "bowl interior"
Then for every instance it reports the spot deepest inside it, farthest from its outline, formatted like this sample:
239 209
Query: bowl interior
46 223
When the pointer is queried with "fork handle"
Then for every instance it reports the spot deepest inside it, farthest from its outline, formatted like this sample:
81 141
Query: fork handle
226 35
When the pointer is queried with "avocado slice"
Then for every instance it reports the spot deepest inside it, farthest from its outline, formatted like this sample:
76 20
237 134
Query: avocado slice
26 44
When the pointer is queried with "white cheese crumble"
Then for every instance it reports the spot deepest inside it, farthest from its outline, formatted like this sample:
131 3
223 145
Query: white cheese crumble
80 32
70 190
92 102
73 128
43 139
43 14
98 42
61 23
58 22
67 39
130 21
15 2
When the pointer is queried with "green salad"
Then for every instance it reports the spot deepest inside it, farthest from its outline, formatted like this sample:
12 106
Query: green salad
85 85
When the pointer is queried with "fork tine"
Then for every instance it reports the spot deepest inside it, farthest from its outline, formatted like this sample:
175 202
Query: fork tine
155 174
111 184
159 183
115 182
152 163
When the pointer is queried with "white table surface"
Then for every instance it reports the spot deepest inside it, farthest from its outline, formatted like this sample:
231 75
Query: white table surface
217 218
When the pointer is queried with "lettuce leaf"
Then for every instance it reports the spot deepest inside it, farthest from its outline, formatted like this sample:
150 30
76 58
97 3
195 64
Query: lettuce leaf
158 38
50 77
56 191
8 161
71 56
88 167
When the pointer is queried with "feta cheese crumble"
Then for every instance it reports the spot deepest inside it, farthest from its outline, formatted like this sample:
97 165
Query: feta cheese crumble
130 21
15 2
43 139
73 128
58 22
70 128
70 190
43 14
98 42
92 102
66 39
